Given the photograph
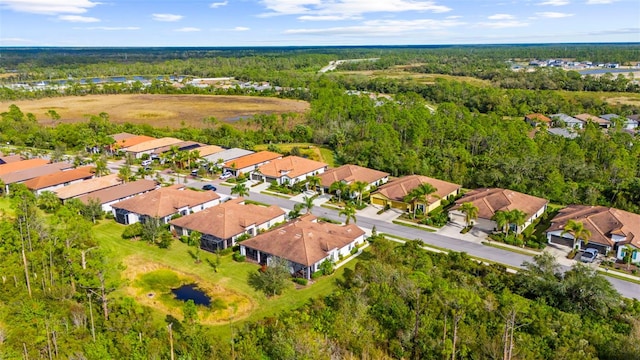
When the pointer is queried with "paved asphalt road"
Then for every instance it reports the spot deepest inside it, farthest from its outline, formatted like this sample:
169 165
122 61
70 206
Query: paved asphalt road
627 289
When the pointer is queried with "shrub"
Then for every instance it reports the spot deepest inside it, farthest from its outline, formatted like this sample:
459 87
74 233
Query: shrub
225 252
316 275
109 216
301 281
238 257
184 239
354 251
326 267
131 231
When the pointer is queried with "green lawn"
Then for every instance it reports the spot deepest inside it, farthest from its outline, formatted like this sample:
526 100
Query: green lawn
231 274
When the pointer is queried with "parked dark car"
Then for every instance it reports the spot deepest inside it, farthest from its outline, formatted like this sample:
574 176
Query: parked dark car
209 187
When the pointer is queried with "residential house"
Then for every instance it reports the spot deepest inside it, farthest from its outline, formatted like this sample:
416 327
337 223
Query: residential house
289 170
393 193
98 183
163 203
181 146
148 147
305 243
21 165
568 121
567 133
633 121
221 225
126 140
59 179
352 173
537 119
249 163
114 194
222 157
611 229
491 200
603 123
23 175
6 159
207 150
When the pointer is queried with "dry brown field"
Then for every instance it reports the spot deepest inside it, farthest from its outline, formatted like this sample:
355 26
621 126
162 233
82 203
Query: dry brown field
400 72
171 111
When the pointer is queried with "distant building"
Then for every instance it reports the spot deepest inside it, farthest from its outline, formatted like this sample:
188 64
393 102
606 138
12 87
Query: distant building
567 120
536 119
603 123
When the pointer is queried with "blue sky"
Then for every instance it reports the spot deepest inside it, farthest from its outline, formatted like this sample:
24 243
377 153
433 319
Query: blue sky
314 22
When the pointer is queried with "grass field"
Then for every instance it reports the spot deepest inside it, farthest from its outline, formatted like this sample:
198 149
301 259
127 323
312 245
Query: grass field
229 284
312 151
400 72
171 111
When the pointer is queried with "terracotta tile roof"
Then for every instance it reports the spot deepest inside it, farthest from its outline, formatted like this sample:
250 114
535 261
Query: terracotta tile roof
209 149
21 165
120 191
87 186
397 189
165 201
291 166
122 136
303 241
132 141
252 159
7 159
538 117
490 200
153 144
58 178
349 174
26 174
602 222
228 219
592 118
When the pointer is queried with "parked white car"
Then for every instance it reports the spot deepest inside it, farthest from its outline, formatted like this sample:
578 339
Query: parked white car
225 175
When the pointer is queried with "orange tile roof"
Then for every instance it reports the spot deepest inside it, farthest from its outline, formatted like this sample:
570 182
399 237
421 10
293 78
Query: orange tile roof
120 191
602 222
291 166
303 241
132 141
252 159
58 178
588 117
209 150
153 144
490 200
87 186
27 174
229 219
397 189
539 117
351 173
21 165
165 201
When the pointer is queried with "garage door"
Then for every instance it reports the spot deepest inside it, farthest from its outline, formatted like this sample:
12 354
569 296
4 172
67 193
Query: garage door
561 241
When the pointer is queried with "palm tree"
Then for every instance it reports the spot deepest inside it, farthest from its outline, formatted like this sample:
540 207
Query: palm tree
192 155
125 174
420 192
349 212
308 203
359 187
627 252
577 230
101 167
312 182
502 220
340 188
48 201
470 212
240 190
517 217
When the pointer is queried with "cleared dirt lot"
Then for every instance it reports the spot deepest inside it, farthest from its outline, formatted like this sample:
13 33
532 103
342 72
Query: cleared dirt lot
157 110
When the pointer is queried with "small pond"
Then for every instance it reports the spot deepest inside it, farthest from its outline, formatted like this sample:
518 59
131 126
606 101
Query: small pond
191 292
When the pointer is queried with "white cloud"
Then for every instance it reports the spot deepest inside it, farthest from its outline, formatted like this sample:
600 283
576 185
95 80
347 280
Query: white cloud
381 28
599 2
347 8
50 7
553 15
187 29
78 18
503 24
241 28
555 2
327 18
166 17
501 17
454 17
113 28
216 5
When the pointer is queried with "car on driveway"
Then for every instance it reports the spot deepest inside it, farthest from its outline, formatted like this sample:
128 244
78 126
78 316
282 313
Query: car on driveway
209 187
225 175
589 255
